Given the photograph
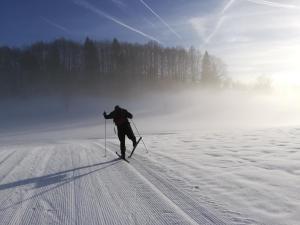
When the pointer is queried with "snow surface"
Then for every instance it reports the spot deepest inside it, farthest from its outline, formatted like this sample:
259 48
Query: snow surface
254 172
71 182
53 169
186 178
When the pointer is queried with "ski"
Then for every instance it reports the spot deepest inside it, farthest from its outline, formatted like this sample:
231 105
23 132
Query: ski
135 147
131 151
121 157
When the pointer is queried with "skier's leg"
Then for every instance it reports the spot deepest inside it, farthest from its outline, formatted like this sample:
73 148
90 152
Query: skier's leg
121 135
130 134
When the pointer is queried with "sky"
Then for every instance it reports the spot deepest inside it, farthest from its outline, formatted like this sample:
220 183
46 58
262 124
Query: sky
253 37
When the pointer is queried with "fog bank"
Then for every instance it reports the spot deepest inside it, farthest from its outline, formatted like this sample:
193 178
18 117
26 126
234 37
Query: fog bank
157 111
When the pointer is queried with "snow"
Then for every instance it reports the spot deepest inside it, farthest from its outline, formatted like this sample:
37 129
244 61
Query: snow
53 168
186 178
250 171
73 183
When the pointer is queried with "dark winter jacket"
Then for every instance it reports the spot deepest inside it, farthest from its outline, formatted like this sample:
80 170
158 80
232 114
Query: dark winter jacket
119 115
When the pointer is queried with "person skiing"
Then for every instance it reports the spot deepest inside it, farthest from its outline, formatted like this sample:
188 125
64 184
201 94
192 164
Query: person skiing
120 117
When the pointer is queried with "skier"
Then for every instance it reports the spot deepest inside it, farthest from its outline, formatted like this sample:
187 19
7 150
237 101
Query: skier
120 117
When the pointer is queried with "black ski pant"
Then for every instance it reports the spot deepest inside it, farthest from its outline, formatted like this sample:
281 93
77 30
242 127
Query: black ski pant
125 129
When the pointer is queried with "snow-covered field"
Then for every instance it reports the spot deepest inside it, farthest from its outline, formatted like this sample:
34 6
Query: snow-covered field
232 177
71 182
253 172
56 172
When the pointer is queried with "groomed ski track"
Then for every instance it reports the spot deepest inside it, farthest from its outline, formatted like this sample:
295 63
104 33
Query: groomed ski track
71 182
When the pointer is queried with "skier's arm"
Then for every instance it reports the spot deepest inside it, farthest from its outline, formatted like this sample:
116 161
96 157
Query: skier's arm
128 115
108 116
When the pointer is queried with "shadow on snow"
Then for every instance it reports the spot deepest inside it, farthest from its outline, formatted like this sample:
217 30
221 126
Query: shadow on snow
60 178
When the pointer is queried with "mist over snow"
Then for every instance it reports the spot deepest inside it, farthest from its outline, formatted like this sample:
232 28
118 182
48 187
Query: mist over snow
157 111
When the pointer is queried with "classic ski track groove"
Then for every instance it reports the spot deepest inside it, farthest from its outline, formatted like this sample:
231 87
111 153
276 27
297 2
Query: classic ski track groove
73 183
151 198
42 210
6 156
179 199
188 205
230 215
149 167
21 213
10 176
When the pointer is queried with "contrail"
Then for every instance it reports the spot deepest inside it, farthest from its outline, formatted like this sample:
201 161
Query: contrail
231 2
161 19
227 6
56 25
92 8
119 3
217 27
273 4
262 2
219 22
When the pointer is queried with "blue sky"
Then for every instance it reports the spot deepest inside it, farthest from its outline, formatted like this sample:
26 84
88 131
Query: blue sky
253 37
23 22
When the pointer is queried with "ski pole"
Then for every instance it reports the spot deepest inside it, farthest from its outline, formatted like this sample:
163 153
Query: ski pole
105 137
139 135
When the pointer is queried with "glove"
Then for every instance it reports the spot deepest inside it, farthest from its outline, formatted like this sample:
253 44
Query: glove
104 114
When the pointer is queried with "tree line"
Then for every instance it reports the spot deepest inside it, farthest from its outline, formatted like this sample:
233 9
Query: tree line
65 66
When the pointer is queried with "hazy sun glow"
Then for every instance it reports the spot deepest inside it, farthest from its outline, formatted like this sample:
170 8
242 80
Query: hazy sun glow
255 38
289 67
